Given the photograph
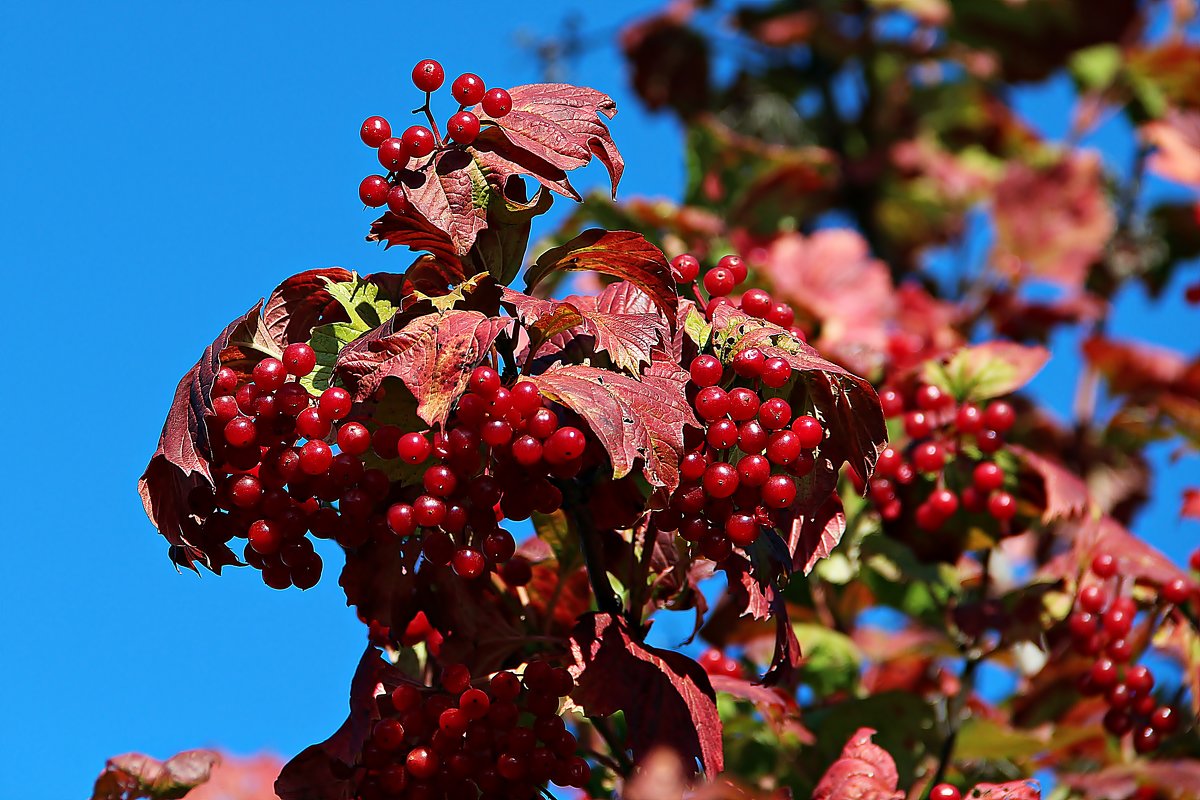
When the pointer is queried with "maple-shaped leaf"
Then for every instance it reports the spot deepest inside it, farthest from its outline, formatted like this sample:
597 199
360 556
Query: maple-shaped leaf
622 254
134 775
634 419
420 235
865 771
500 159
1066 495
182 460
847 403
627 336
560 124
449 191
323 771
980 372
300 303
1011 790
667 697
433 354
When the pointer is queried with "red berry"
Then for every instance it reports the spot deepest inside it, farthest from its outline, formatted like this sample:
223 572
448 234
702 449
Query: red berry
428 75
999 416
1194 560
917 425
929 457
783 447
968 419
1082 625
693 465
421 763
299 359
808 430
705 371
468 89
543 423
1118 620
1117 722
401 520
1165 719
749 362
397 200
388 734
1139 679
334 403
722 434
463 127
752 437
930 397
1093 599
720 480
496 103
564 445
742 529
1177 591
1146 740
418 141
266 538
1104 673
413 448
781 314
1002 506
484 381
892 403
719 282
373 191
945 791
735 265
240 431
374 130
354 439
686 267
779 491
469 563
987 477
429 512
315 457
776 372
944 502
743 404
392 155
756 303
1104 565
712 403
1119 650
753 471
775 413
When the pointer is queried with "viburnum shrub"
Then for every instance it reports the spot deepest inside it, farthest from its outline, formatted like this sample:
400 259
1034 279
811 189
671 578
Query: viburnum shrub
910 580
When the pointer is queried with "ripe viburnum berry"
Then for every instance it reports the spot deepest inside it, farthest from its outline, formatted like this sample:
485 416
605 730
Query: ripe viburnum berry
496 103
418 141
428 75
373 191
392 155
463 127
468 89
686 267
736 267
374 131
719 282
397 200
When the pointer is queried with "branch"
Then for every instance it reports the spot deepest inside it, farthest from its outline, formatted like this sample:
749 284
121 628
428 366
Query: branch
607 599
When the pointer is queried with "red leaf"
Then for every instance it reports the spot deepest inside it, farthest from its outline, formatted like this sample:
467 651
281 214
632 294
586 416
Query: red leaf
433 354
634 419
865 771
134 775
443 189
299 304
1066 494
323 771
623 254
667 698
815 533
1136 559
560 124
1177 778
499 158
420 235
628 338
1134 368
181 461
1191 504
240 778
1012 790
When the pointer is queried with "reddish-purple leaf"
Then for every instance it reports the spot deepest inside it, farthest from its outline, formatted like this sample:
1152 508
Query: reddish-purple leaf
433 354
623 254
634 419
1136 559
1066 494
450 192
865 771
628 338
300 303
134 775
1012 790
499 159
560 124
667 698
418 234
1174 778
815 533
182 460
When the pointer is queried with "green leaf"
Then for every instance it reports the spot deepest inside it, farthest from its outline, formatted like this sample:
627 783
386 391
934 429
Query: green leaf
367 311
1096 67
981 372
697 327
398 407
555 531
983 739
831 658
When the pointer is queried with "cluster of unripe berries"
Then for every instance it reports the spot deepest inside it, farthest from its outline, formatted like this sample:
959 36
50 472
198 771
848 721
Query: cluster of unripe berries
418 141
497 738
1101 627
719 284
739 474
495 460
935 458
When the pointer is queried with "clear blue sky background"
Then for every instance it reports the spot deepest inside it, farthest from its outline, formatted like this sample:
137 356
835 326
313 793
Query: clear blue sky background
161 170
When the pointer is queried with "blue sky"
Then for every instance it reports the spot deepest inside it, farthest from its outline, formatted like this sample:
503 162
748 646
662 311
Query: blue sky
163 168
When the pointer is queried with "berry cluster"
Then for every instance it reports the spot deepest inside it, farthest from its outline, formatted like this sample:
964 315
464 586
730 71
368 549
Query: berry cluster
946 461
1100 627
500 737
495 460
719 283
419 141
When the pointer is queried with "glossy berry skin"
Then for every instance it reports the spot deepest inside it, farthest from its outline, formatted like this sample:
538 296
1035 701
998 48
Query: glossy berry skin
945 791
705 371
468 89
776 372
749 362
1002 506
987 477
469 563
484 381
421 763
418 141
736 267
315 457
999 416
413 448
756 303
397 200
712 403
392 155
334 404
373 191
299 359
374 130
1177 591
428 75
719 282
808 430
720 480
781 314
496 103
564 445
463 127
1104 565
686 267
779 491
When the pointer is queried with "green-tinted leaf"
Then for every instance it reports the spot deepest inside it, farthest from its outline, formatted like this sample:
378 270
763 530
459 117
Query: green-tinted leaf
981 372
1096 67
831 659
366 310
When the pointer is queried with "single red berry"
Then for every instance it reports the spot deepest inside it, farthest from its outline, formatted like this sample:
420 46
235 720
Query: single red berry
743 404
374 130
354 439
373 191
929 457
429 512
1139 679
1177 592
527 451
334 403
756 303
469 563
917 425
720 480
736 267
686 267
1118 620
753 471
742 529
999 416
1117 722
987 477
388 734
543 423
1146 740
705 371
719 282
945 791
930 397
712 403
779 491
1119 650
496 103
315 457
564 445
781 314
1082 625
428 75
468 89
418 141
749 362
401 520
722 434
265 537
463 127
892 403
311 425
693 465
808 430
240 432
776 372
1093 599
783 447
299 359
397 200
422 763
269 374
484 381
1002 506
413 448
968 419
1104 565
775 413
1165 719
1104 673
944 502
752 437
392 155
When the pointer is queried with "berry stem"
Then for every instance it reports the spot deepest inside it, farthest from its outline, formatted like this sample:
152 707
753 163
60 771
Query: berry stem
437 136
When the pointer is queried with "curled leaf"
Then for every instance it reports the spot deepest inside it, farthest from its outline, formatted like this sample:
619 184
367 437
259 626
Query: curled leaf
134 776
983 371
865 771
